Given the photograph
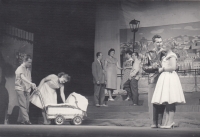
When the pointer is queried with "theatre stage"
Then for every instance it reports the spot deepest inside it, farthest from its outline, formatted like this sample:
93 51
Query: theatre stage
93 131
120 113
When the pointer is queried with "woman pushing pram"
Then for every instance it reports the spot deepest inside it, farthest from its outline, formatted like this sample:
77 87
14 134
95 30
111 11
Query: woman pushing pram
46 97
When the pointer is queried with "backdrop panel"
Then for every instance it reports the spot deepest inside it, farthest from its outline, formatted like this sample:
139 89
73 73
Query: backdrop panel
107 29
15 43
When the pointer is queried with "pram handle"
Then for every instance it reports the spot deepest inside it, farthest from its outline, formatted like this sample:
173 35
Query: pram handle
41 98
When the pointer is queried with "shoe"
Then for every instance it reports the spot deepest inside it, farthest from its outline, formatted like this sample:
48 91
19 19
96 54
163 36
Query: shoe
6 121
170 126
104 105
133 105
162 126
111 99
158 126
97 105
154 126
20 123
27 123
127 99
48 122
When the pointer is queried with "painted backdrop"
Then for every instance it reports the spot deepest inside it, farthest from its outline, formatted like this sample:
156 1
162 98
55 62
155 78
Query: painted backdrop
185 37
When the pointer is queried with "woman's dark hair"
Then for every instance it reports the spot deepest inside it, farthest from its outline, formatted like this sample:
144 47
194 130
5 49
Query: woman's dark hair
110 51
136 54
63 74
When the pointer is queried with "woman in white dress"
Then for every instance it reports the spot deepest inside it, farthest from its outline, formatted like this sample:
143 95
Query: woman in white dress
47 88
168 89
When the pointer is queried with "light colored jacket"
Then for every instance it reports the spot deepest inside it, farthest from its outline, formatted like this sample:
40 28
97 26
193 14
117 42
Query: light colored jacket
136 70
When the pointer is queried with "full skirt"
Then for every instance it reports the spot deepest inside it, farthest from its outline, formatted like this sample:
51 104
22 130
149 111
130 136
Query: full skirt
168 89
48 95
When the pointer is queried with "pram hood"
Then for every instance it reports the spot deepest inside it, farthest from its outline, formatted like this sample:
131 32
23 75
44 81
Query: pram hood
82 102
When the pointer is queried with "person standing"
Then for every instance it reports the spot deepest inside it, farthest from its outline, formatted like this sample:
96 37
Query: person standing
111 65
131 86
151 65
23 87
168 90
99 80
127 68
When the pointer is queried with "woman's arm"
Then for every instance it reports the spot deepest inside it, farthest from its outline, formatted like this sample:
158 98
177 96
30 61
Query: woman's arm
171 67
118 66
62 94
105 67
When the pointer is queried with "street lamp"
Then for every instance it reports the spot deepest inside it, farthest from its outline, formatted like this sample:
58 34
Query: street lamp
134 25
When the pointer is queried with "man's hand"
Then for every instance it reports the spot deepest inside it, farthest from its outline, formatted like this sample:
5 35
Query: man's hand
155 65
105 81
98 82
129 78
33 85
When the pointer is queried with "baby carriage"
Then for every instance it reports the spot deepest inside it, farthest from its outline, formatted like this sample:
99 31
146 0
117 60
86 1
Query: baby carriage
73 110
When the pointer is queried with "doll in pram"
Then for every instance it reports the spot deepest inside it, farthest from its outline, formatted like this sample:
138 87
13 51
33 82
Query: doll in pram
73 110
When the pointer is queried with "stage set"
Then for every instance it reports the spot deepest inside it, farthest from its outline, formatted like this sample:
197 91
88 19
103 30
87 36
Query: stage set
66 35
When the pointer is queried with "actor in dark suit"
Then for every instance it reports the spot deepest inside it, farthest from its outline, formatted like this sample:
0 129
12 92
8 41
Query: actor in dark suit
152 64
99 80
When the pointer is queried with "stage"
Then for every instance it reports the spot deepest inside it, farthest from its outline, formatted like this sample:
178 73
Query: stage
120 113
93 131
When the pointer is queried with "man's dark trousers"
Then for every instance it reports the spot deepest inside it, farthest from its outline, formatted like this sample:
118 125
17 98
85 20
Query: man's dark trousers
99 94
158 110
131 86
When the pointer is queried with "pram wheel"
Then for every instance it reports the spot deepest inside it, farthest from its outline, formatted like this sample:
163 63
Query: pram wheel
59 120
76 121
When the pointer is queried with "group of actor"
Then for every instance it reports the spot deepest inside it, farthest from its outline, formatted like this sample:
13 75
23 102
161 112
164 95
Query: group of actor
165 90
160 63
105 76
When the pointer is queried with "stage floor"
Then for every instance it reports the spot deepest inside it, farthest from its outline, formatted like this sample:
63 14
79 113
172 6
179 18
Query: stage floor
92 131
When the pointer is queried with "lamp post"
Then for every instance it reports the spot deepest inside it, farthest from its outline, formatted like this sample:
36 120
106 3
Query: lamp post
134 25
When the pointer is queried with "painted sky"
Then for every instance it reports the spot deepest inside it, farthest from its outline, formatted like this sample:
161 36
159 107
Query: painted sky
167 31
158 13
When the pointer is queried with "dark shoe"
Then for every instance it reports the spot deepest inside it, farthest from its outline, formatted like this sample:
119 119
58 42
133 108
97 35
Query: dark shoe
27 123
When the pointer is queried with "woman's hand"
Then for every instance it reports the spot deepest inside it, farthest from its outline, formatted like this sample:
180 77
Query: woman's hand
160 70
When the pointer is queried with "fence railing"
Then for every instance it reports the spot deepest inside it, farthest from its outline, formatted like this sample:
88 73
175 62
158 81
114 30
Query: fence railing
189 72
